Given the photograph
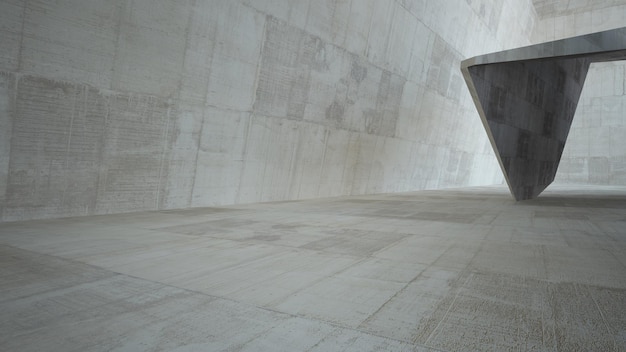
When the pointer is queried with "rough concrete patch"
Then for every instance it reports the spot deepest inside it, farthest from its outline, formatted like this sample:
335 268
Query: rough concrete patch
335 113
358 72
313 53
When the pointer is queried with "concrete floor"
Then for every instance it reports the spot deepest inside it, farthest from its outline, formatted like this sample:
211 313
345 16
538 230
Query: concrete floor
426 271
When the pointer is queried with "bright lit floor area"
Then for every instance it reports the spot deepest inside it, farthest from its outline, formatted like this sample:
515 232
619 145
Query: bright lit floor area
446 270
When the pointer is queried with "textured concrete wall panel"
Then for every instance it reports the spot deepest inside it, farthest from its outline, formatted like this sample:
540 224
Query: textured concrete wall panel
131 105
599 127
151 46
134 156
198 56
223 148
284 77
71 40
7 110
11 19
55 149
236 55
184 135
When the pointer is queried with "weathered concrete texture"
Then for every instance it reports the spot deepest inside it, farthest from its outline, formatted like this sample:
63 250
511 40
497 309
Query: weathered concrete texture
558 8
529 107
596 148
587 17
596 153
451 270
527 98
140 104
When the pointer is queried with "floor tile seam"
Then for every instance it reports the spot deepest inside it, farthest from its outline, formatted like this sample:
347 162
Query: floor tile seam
111 269
272 277
620 260
315 282
111 252
471 262
186 241
400 291
95 318
281 313
56 257
240 346
366 320
451 245
62 290
96 307
86 261
549 282
364 332
456 296
228 267
606 324
391 244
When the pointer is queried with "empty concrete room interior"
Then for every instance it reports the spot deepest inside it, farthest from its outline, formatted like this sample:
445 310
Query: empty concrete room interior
297 175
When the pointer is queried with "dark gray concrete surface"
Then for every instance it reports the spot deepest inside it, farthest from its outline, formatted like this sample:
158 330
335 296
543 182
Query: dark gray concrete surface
527 99
465 269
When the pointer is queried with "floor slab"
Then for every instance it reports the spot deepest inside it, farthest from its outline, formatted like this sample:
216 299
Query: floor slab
446 270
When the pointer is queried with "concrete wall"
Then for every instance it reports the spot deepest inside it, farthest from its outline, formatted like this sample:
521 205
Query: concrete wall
129 105
595 152
527 107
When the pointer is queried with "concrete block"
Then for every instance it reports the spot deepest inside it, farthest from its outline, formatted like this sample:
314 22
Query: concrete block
401 41
184 142
439 73
617 142
309 162
279 9
423 42
365 145
599 170
547 91
55 154
409 108
222 157
284 75
618 170
599 141
360 103
199 47
382 121
234 68
71 40
328 20
151 47
11 18
357 30
333 178
282 157
379 31
135 153
7 113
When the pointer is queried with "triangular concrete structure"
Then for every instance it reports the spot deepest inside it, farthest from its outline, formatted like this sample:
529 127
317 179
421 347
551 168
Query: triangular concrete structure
527 98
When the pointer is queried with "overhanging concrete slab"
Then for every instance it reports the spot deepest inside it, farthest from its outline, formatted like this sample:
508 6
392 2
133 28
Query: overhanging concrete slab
527 98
